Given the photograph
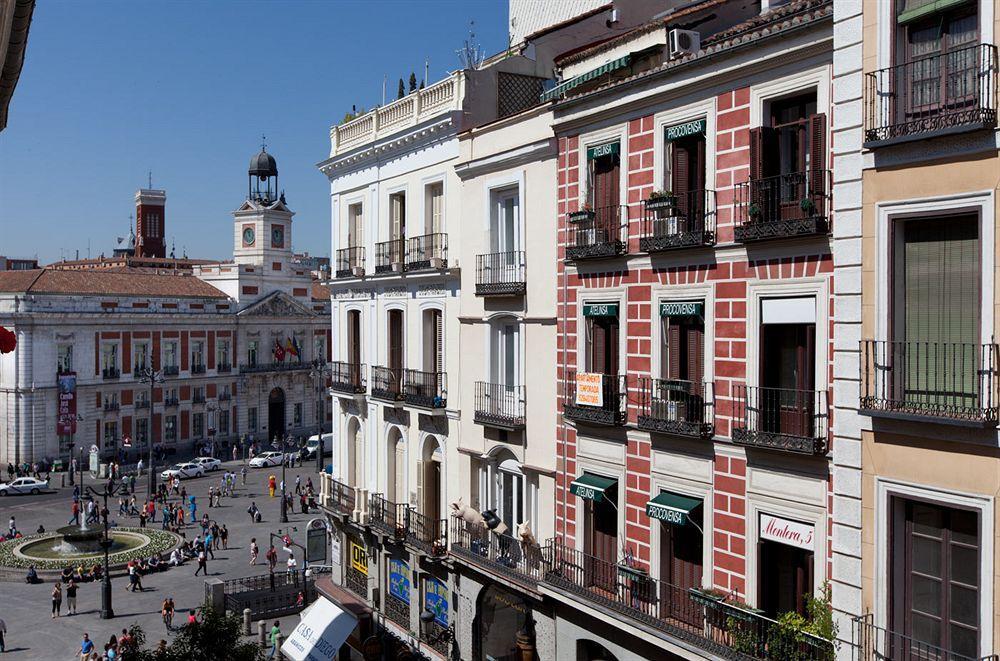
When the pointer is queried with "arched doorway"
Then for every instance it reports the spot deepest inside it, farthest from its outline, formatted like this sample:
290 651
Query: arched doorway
275 415
589 650
355 454
429 479
395 475
500 615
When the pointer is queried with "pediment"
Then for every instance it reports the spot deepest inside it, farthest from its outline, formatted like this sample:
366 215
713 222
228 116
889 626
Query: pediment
254 205
276 304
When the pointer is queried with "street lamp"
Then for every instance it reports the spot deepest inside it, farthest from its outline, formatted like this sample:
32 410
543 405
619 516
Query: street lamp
320 372
148 375
110 489
284 460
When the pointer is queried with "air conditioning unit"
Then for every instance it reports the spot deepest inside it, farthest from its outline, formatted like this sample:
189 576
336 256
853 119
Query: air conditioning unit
683 42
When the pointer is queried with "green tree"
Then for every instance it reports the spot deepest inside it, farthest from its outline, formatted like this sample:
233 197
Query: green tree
217 636
413 82
401 92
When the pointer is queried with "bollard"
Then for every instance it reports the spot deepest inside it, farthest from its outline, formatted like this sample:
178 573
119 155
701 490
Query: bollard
279 639
246 621
261 634
62 480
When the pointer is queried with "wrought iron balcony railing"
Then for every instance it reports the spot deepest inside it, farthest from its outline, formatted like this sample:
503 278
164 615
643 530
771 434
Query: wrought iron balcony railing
387 516
224 397
600 399
673 406
198 399
142 403
427 534
111 373
502 555
389 256
499 405
678 221
171 401
350 262
171 370
387 384
348 377
720 626
425 389
111 406
784 206
280 367
950 382
601 234
501 274
336 496
873 643
781 419
429 251
936 95
223 368
198 368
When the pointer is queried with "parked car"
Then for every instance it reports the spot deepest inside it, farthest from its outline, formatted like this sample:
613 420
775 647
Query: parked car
313 443
183 471
208 463
265 459
23 485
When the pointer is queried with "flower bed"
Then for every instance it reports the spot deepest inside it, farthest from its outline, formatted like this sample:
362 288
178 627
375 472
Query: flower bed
160 541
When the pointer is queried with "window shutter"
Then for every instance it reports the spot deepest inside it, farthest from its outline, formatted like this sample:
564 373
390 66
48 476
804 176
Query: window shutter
817 156
438 341
695 352
673 349
612 346
756 153
598 341
420 488
395 342
681 172
359 458
400 472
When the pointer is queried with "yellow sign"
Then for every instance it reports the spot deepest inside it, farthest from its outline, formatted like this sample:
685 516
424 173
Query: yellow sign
589 390
359 558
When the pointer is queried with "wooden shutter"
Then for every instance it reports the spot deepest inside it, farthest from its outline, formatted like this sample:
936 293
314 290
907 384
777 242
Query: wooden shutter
680 168
817 156
612 346
756 153
673 349
420 488
438 341
695 351
395 341
606 176
598 340
399 470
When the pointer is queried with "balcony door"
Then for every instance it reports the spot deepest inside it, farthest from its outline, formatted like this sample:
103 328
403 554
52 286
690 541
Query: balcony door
786 577
433 335
786 398
681 552
354 346
355 226
602 344
397 216
685 159
434 208
601 518
395 347
505 237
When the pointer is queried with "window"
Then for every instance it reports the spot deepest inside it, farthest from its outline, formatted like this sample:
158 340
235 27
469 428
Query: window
434 208
354 337
319 347
397 216
603 176
684 172
355 226
110 435
197 355
602 338
170 354
252 353
224 422
109 357
682 348
222 352
297 414
65 358
226 392
110 401
395 340
198 394
509 497
433 341
681 553
140 356
198 424
170 428
142 430
505 354
505 231
252 419
141 399
787 366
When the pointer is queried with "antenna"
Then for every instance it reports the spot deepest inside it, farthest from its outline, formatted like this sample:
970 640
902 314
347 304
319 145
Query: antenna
471 56
263 142
385 78
427 66
150 181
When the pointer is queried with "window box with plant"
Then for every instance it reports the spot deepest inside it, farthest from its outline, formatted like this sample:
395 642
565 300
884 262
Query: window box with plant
584 214
663 202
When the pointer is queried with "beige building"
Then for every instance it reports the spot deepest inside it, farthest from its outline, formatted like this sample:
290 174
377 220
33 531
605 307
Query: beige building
918 470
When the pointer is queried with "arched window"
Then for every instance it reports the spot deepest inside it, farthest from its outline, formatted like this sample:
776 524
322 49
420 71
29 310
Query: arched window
430 483
355 454
395 476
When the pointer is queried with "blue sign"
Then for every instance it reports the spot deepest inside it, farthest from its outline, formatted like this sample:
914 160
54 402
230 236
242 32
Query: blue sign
399 580
436 600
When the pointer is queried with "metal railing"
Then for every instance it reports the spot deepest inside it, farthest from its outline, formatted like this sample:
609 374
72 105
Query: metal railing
197 399
224 397
274 595
356 582
348 377
604 404
678 221
387 383
500 554
781 419
783 206
501 274
387 516
942 93
279 367
946 381
198 369
171 370
222 368
603 233
499 405
171 401
429 251
389 255
336 495
111 373
397 610
350 262
428 534
111 406
723 628
674 406
425 389
142 403
873 643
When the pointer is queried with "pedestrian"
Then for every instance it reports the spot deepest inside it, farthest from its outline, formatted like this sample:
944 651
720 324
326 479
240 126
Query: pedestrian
235 452
138 466
142 519
75 510
243 475
290 565
272 558
11 527
71 589
202 563
56 599
209 539
254 550
272 484
298 485
86 647
275 633
253 512
3 634
303 505
167 610
193 508
211 496
192 617
224 537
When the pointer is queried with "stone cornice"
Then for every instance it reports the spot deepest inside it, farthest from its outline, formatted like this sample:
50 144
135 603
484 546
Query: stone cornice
398 145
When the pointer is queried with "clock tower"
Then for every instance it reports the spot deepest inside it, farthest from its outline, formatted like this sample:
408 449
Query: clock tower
263 223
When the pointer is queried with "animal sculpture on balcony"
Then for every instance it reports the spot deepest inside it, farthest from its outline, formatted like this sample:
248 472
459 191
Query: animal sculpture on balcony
524 534
460 510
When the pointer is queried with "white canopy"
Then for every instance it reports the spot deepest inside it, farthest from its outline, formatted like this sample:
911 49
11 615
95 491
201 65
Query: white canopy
322 630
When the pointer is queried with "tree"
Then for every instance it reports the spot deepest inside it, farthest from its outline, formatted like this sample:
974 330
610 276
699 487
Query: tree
413 82
217 636
401 92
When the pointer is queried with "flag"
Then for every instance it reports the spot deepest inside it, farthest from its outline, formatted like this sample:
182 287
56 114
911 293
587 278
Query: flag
279 351
295 345
290 347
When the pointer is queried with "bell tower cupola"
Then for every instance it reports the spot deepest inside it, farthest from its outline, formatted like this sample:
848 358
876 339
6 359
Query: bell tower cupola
263 222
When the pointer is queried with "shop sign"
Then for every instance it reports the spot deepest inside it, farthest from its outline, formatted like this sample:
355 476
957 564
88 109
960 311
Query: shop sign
436 600
359 557
600 310
606 149
682 309
678 131
793 533
335 557
589 389
399 580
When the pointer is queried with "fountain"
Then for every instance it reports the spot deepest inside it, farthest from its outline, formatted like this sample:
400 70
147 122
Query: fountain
79 540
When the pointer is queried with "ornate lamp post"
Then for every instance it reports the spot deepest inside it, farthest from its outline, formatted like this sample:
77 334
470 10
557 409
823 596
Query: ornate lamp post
284 460
110 489
320 372
148 375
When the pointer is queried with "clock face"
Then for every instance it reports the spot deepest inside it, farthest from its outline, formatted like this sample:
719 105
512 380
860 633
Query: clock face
278 237
248 236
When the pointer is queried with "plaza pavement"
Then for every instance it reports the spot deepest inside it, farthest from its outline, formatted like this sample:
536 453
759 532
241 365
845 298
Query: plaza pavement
32 634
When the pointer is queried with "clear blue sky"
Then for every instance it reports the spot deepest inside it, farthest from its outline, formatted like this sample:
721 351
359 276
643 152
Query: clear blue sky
110 90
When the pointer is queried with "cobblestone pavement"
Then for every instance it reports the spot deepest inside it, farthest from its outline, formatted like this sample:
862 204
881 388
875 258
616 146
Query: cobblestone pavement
31 634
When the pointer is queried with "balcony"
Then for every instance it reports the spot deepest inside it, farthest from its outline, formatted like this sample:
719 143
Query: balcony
502 555
721 626
256 368
501 274
171 370
874 643
198 399
600 234
198 369
785 206
171 401
138 371
111 373
938 95
336 496
223 368
224 397
427 390
673 406
598 399
348 378
945 382
499 405
389 256
426 534
387 517
387 384
674 222
429 251
111 407
781 419
350 262
142 404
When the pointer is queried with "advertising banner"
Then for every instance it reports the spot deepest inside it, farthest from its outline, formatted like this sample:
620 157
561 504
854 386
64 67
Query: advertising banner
589 390
66 416
436 600
359 557
785 531
399 579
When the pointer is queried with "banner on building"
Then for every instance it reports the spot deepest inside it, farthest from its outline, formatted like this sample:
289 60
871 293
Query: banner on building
589 389
785 531
66 418
436 599
399 579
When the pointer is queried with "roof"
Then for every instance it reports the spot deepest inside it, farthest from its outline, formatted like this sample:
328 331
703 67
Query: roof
320 292
569 21
129 261
13 60
118 282
263 165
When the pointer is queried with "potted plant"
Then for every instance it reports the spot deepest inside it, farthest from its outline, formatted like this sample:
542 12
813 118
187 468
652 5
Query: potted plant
707 596
584 213
661 199
754 211
807 205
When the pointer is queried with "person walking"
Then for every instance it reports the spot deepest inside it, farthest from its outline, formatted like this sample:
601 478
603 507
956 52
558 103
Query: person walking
71 589
202 563
290 565
11 528
56 600
167 610
243 475
254 550
224 537
3 635
86 648
193 508
209 540
75 511
275 633
298 485
138 466
272 558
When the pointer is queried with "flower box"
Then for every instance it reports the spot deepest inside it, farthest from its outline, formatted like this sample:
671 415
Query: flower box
582 215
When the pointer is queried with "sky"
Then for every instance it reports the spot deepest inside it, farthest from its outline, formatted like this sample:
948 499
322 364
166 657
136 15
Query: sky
185 89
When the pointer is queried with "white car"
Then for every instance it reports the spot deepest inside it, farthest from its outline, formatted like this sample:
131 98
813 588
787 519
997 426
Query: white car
183 471
208 463
265 459
23 485
313 444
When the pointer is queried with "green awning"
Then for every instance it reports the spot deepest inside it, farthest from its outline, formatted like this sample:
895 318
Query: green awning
918 10
565 86
671 508
591 487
